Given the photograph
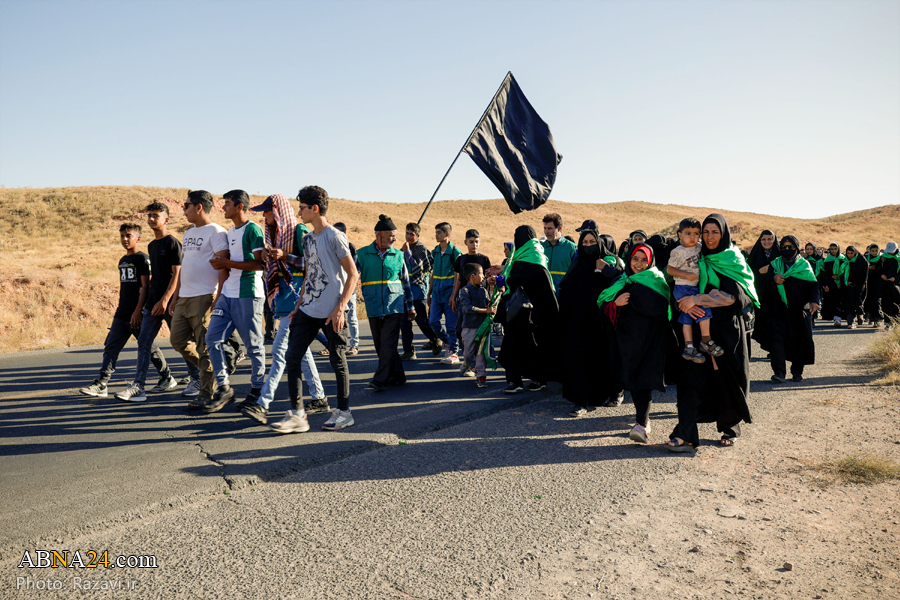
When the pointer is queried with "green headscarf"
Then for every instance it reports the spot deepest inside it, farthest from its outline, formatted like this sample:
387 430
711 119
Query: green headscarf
651 278
725 260
799 270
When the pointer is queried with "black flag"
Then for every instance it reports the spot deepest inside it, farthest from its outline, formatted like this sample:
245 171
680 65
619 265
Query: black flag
513 146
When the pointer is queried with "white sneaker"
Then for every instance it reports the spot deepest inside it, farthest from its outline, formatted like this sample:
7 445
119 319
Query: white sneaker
164 385
294 421
192 390
96 389
340 419
450 359
469 372
133 393
639 433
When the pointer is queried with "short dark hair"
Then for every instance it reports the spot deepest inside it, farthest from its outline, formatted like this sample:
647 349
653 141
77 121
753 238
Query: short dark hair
157 206
341 227
132 227
203 198
414 227
472 233
553 218
471 269
688 223
445 227
313 195
238 197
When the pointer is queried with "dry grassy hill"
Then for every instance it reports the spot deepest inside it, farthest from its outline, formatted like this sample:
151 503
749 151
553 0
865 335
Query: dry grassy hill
59 246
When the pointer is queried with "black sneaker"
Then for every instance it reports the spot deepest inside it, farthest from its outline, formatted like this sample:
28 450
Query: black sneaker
797 378
513 388
411 355
256 412
427 346
252 398
223 396
615 401
777 378
534 386
317 405
374 385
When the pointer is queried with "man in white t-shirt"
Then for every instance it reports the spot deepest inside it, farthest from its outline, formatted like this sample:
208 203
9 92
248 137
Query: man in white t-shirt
197 291
240 305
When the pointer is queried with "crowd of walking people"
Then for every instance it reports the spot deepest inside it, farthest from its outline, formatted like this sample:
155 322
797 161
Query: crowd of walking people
601 319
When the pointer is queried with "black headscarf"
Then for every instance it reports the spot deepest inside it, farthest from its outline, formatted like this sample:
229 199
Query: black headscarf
590 254
725 242
758 257
789 258
523 234
609 243
647 250
836 245
639 232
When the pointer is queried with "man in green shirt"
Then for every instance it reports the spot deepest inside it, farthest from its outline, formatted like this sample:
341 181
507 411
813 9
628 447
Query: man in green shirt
559 250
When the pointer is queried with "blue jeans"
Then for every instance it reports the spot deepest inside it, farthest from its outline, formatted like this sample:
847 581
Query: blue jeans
449 336
353 322
245 315
150 325
279 354
119 333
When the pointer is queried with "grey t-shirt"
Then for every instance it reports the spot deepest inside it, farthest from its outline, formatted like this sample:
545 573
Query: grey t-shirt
325 277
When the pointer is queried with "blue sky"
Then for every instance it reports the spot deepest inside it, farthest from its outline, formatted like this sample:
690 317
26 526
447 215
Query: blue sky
789 108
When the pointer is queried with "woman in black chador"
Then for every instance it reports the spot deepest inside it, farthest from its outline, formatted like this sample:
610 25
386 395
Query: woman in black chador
872 306
764 251
792 284
588 378
854 283
829 281
718 389
530 343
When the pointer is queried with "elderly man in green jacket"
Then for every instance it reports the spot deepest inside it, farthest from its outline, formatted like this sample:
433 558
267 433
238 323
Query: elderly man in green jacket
559 250
388 297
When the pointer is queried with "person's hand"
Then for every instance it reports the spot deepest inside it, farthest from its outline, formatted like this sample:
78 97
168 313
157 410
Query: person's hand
411 315
219 263
825 287
277 254
884 277
336 318
453 304
171 310
696 311
493 271
404 247
813 307
764 270
779 279
601 264
136 319
693 276
623 299
835 277
492 310
159 309
686 304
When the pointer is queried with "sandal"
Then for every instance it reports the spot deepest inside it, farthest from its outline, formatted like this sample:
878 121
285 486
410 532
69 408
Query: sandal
197 404
671 446
323 352
727 442
712 348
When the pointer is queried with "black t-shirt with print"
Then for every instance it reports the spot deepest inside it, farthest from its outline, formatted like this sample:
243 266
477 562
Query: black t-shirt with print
164 254
131 268
464 259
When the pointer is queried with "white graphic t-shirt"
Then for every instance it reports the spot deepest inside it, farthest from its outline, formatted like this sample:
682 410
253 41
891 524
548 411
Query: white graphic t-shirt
199 246
325 277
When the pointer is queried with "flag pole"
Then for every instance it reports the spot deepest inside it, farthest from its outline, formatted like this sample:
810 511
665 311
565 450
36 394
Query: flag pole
468 139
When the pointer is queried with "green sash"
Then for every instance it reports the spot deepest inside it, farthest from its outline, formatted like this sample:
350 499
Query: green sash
799 270
874 260
837 269
815 264
845 268
529 252
730 263
651 278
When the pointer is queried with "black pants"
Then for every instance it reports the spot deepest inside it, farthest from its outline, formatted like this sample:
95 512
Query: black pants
779 362
119 333
269 319
406 326
385 334
303 331
641 400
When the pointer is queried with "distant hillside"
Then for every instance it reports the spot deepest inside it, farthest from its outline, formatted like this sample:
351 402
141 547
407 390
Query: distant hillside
59 246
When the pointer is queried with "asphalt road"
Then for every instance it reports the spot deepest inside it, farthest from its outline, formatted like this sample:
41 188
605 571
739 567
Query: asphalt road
441 489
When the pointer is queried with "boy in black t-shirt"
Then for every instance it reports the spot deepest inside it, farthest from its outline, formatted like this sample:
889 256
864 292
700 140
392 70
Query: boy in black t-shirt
473 240
134 278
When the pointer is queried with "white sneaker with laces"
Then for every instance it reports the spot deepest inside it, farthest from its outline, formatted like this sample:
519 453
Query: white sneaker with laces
469 372
639 433
450 359
192 390
164 385
294 421
98 390
340 419
133 393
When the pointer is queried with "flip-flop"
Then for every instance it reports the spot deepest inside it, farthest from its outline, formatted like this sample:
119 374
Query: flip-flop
196 405
682 447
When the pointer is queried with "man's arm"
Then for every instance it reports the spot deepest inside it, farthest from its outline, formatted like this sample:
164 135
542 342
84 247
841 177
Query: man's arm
161 306
457 281
138 314
337 315
244 265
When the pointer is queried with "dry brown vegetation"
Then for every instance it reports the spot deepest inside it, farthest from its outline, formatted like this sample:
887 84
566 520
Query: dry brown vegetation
887 350
865 469
59 246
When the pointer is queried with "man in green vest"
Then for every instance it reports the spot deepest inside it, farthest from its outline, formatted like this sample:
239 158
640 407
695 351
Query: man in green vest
388 297
559 250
